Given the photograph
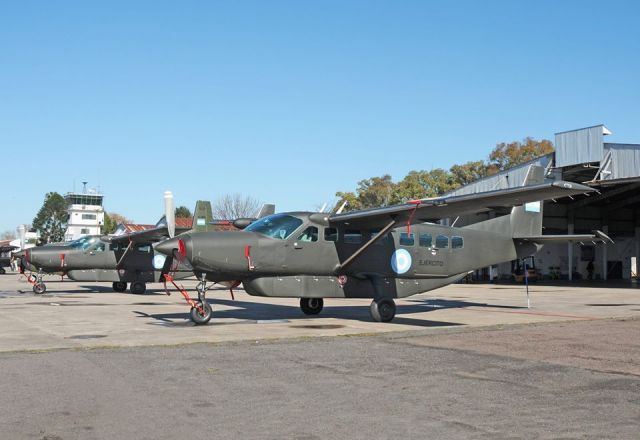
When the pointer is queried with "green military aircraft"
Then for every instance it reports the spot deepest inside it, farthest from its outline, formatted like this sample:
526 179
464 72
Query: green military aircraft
128 258
381 253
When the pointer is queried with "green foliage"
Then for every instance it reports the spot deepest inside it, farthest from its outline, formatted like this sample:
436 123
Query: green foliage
469 172
51 219
111 222
505 156
382 191
109 226
183 212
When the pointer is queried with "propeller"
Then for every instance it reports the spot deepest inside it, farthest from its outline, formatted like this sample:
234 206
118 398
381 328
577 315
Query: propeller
169 213
22 231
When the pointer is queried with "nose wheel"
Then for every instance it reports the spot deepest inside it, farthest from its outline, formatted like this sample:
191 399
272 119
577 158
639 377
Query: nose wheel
38 285
200 313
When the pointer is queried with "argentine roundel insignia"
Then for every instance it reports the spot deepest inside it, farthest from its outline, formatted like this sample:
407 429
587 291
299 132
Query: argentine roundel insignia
401 261
158 261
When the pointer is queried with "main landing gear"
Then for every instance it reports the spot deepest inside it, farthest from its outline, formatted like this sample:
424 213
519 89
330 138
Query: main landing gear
138 288
119 286
383 310
311 306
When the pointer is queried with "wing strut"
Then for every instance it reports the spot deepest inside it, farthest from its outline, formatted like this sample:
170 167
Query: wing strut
365 246
125 253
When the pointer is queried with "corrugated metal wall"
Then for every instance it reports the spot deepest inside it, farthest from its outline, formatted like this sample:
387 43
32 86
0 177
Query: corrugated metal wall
580 146
506 179
625 161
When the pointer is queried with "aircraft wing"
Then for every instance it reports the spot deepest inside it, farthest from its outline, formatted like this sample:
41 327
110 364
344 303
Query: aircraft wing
419 211
541 239
153 235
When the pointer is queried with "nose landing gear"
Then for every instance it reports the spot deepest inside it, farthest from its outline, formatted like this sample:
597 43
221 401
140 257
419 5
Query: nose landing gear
38 285
200 312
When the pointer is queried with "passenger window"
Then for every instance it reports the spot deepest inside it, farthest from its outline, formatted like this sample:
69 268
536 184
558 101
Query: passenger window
353 236
442 242
381 240
146 248
330 234
406 239
309 234
457 242
425 240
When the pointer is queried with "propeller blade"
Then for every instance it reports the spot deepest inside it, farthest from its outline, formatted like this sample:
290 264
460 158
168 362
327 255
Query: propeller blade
169 213
22 231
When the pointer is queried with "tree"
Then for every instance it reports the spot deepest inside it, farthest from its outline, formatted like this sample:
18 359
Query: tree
353 204
468 172
421 184
7 235
111 222
234 206
505 155
51 219
183 212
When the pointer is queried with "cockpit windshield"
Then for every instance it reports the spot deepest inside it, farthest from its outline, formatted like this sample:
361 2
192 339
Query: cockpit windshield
278 226
82 242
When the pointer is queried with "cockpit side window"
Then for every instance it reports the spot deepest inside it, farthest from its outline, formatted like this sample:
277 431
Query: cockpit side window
100 247
278 226
309 234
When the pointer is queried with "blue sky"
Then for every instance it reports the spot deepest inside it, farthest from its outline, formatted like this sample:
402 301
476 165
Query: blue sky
290 102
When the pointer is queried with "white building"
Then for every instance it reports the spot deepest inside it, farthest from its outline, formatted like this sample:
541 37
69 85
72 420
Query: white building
86 214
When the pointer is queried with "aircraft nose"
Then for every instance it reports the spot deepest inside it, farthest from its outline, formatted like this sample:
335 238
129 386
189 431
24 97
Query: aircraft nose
181 244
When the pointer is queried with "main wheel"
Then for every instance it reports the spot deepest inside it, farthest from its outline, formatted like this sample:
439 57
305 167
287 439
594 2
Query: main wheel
383 310
119 286
198 318
311 306
138 288
39 288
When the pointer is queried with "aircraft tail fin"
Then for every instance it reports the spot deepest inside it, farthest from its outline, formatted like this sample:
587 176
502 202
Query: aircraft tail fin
266 209
526 220
202 217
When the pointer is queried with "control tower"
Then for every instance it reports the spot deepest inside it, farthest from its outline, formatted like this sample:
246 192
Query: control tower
86 214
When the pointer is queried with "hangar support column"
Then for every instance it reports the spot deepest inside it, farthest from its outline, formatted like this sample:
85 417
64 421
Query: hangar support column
637 252
605 229
570 228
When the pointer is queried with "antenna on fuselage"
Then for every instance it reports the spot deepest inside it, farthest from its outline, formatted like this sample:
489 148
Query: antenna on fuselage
341 208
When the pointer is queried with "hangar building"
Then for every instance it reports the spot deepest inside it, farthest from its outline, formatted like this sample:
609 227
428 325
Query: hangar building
612 169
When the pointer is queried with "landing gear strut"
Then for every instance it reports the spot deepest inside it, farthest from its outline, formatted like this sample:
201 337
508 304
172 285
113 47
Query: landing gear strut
119 286
38 285
311 306
200 312
383 310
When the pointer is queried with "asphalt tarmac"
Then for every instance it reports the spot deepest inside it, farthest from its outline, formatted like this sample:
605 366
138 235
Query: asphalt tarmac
567 368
